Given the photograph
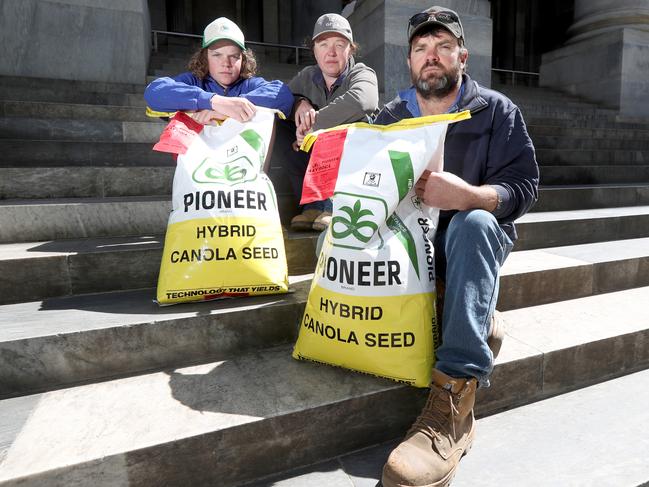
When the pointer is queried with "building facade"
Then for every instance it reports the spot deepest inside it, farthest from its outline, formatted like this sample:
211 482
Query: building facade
597 49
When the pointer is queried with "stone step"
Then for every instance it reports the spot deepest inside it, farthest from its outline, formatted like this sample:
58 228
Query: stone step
547 275
56 86
225 415
529 435
542 134
35 220
541 104
58 110
582 157
604 144
70 91
587 418
586 132
85 182
564 114
98 336
57 153
574 120
64 151
228 415
52 177
169 70
99 182
65 218
46 95
540 97
176 64
589 174
516 92
554 228
38 270
160 59
562 111
71 268
582 197
54 219
81 130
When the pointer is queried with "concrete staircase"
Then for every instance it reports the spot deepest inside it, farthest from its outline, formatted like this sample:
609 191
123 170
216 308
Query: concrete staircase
100 386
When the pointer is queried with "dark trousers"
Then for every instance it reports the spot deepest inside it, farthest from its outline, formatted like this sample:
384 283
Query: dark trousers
295 163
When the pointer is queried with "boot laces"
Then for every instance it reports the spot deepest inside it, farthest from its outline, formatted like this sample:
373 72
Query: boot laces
439 411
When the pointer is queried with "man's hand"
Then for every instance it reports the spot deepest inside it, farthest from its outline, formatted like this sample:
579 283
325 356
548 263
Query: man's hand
305 115
447 191
240 109
207 117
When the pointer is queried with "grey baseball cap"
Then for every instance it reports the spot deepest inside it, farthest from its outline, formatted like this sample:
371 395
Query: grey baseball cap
333 23
442 16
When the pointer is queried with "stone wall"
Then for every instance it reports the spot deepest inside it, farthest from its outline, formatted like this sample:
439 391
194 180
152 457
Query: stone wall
607 58
89 40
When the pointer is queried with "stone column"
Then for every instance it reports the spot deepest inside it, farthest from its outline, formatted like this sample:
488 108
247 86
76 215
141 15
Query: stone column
606 58
380 27
89 40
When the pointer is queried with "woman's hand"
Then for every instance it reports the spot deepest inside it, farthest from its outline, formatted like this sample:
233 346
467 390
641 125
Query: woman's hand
299 136
305 115
240 109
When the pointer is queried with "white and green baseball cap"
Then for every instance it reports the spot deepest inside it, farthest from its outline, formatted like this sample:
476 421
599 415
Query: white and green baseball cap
223 28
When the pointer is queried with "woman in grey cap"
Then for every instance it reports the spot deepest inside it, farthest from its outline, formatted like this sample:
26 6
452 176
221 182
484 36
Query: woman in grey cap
337 90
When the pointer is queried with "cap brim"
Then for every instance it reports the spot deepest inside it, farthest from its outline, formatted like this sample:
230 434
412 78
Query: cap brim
421 26
212 41
331 31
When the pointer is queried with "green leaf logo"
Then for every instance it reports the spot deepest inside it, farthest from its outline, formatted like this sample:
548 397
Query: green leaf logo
404 236
255 141
235 166
403 171
230 173
354 223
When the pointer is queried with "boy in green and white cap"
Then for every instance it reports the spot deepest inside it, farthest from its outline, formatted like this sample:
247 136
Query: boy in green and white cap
221 82
223 28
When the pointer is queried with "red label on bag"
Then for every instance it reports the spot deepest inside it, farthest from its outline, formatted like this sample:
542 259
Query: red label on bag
322 172
178 134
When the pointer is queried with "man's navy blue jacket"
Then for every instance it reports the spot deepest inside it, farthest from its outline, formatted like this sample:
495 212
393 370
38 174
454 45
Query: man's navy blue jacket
492 147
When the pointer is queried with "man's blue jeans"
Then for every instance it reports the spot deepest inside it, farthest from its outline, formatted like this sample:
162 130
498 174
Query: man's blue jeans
469 255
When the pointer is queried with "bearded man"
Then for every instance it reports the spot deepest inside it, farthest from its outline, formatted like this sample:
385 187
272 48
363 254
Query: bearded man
490 179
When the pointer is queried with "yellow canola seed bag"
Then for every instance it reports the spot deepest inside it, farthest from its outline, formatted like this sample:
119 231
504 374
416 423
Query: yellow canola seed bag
224 236
371 303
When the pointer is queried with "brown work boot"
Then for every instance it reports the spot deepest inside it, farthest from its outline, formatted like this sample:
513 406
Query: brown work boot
441 435
304 221
496 333
322 221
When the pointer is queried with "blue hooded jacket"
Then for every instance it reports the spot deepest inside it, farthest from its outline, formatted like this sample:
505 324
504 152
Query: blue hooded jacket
187 92
492 147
